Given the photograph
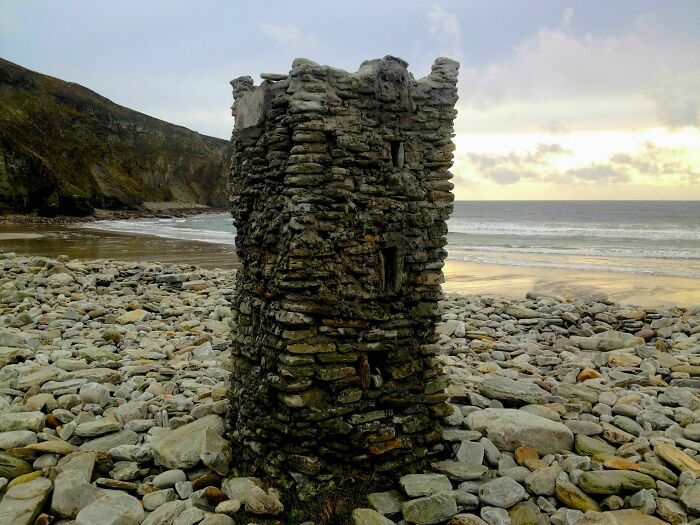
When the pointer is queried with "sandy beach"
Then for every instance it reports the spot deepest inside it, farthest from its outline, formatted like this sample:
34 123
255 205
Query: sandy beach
515 282
79 242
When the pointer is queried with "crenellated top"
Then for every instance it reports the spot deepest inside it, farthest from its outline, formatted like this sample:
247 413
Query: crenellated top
387 78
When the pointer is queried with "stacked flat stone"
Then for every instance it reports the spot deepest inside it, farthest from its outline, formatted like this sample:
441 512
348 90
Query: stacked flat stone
340 196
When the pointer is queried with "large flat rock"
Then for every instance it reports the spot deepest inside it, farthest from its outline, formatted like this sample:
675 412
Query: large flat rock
22 503
182 447
509 429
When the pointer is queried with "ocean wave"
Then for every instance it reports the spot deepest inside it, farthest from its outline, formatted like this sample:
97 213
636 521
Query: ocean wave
583 252
623 231
667 272
161 228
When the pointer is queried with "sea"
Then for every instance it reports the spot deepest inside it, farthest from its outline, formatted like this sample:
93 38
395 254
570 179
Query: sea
659 238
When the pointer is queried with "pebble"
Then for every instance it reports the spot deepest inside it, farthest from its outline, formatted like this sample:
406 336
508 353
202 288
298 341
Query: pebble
128 377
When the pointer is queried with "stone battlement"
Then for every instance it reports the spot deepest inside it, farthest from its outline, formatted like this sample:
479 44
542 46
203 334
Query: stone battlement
340 194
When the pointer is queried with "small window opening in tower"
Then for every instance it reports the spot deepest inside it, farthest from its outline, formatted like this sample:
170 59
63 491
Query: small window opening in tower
397 153
392 269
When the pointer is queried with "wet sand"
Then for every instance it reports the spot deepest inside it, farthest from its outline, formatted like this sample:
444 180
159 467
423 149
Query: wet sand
460 277
626 288
89 244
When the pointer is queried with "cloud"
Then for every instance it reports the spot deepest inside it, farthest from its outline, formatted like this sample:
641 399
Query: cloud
678 110
446 31
9 23
596 173
655 163
288 35
555 75
566 17
510 168
651 164
504 176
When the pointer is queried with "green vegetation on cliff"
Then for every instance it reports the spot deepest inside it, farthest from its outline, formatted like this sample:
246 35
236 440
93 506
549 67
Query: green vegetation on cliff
66 149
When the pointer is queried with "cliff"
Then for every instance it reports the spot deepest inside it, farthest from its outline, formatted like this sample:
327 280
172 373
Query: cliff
65 149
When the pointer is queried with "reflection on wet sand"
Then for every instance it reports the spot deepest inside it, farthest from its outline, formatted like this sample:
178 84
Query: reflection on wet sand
460 277
82 243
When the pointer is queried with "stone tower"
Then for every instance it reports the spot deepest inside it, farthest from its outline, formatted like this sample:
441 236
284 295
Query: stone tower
340 196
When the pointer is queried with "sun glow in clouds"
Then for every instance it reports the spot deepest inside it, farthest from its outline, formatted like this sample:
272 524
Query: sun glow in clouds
653 163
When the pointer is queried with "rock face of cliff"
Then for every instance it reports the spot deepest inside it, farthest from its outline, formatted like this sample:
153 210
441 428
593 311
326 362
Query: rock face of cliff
65 149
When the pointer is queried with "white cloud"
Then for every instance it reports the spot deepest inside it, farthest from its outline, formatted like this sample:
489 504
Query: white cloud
676 110
558 76
9 23
288 35
446 31
566 17
551 163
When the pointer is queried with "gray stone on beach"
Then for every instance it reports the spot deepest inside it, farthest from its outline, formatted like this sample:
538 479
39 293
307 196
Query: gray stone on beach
502 492
386 502
16 439
509 429
430 509
470 453
110 441
369 517
543 481
515 391
32 421
614 481
153 500
181 448
168 478
165 514
112 508
22 503
415 485
495 515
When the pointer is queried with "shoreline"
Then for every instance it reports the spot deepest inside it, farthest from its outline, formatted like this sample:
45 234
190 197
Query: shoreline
79 241
151 210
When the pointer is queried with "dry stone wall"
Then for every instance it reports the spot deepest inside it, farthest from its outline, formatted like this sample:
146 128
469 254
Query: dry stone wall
340 195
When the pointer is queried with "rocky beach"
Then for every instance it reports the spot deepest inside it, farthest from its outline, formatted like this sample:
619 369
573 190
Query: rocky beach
113 403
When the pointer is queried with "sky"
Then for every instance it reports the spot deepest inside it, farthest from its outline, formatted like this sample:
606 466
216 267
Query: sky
584 99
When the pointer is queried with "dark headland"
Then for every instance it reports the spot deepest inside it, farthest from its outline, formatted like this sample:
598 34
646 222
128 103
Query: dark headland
66 150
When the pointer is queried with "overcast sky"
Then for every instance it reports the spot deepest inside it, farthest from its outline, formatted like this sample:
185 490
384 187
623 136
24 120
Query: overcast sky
581 99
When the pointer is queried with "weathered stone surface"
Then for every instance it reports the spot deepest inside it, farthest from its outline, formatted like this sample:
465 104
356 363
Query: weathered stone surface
182 448
259 501
386 502
112 508
571 496
466 519
509 390
614 481
524 513
430 509
677 458
671 511
349 290
619 517
11 467
543 481
16 439
22 503
459 471
165 514
690 498
72 488
415 485
33 421
502 492
510 429
369 517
